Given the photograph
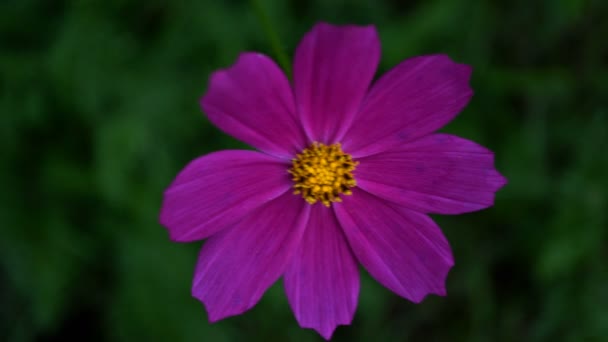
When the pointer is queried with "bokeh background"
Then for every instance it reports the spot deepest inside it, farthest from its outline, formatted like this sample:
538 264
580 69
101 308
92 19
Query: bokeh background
99 111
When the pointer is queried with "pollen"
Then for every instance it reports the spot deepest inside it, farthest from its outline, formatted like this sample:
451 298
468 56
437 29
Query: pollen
323 173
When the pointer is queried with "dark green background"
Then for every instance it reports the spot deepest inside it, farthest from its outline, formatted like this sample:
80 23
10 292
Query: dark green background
99 111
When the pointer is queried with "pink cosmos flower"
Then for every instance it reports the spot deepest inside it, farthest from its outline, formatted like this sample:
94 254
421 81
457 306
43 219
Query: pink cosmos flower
347 172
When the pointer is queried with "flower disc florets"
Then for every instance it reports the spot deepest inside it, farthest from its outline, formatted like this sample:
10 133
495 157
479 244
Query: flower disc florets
323 172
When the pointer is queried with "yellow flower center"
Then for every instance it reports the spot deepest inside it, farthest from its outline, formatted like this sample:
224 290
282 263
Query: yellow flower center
323 172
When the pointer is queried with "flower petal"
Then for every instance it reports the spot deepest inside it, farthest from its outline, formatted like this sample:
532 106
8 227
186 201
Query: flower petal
333 68
322 282
253 102
219 189
404 250
439 173
417 97
236 266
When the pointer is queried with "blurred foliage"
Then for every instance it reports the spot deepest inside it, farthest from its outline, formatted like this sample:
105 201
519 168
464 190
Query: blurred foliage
99 111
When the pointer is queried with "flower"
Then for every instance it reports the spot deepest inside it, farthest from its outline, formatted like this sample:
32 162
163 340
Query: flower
346 173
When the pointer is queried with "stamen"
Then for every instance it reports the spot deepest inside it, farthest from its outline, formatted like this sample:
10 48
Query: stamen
323 172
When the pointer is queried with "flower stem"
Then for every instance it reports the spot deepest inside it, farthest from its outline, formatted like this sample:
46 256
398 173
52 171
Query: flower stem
273 37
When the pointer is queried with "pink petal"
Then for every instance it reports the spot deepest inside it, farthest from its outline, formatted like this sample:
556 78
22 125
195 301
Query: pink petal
322 282
439 173
415 98
333 68
218 189
253 102
404 250
237 265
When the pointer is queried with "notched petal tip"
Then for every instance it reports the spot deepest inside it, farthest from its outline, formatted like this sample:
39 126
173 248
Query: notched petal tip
402 249
502 180
422 298
223 75
458 71
450 67
322 282
215 312
216 190
237 265
440 290
333 68
252 101
212 316
215 315
415 98
325 332
438 173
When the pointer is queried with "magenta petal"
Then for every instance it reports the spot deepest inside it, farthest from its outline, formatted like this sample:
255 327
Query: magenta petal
404 250
333 68
237 265
415 98
322 282
219 189
439 173
253 102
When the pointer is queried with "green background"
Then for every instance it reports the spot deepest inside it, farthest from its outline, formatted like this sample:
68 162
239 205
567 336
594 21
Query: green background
99 111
